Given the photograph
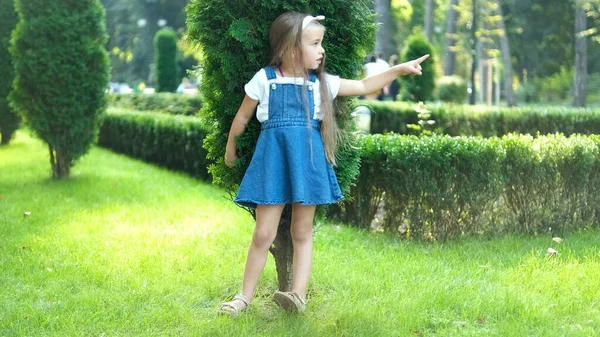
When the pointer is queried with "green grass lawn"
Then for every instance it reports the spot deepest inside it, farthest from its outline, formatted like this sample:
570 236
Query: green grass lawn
127 249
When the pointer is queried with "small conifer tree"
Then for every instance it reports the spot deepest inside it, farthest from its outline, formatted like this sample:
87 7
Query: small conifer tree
234 40
419 88
9 120
62 73
165 60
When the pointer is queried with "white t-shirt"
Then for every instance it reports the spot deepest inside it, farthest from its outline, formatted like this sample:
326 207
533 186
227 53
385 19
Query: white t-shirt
258 89
377 67
383 65
371 69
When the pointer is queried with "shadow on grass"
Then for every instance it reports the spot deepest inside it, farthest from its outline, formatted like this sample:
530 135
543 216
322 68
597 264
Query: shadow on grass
101 180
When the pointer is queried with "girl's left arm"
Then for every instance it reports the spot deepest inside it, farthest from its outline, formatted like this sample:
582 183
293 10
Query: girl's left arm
376 82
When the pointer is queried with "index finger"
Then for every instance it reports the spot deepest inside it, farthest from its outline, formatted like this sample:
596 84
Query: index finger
422 58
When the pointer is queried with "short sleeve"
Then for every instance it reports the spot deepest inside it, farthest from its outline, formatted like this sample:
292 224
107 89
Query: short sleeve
256 87
333 82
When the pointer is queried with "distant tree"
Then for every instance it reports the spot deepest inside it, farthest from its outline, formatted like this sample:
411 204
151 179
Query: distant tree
509 93
579 92
449 53
165 60
429 7
401 12
9 120
540 36
61 75
385 42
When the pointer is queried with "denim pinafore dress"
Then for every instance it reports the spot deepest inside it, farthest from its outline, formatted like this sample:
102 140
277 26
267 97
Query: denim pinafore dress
284 169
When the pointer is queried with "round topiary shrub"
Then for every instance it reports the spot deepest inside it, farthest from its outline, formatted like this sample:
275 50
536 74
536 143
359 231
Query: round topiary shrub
451 89
419 88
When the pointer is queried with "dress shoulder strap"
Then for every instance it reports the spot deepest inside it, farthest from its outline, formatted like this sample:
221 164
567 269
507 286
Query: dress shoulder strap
312 77
270 73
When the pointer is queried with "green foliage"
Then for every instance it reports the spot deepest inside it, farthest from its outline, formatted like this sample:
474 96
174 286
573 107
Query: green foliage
442 187
419 88
541 37
555 88
174 142
527 93
451 89
61 74
165 60
464 120
174 104
9 120
423 126
234 39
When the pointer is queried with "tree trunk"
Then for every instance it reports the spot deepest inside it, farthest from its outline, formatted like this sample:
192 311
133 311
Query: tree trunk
283 251
384 42
449 55
485 62
505 51
429 20
60 163
473 53
579 92
6 137
482 70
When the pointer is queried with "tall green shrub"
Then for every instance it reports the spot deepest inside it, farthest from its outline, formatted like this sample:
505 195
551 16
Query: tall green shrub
165 60
234 39
419 88
61 75
9 120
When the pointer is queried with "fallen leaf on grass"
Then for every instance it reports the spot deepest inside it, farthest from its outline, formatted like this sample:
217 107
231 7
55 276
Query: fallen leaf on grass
551 252
460 324
557 239
480 320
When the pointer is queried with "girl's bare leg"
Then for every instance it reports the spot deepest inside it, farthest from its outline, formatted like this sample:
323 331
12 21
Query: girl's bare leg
267 221
302 237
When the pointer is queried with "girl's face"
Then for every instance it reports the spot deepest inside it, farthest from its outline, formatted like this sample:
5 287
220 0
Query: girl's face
312 50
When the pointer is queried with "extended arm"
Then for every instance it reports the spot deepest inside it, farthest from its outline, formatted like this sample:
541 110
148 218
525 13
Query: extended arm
242 117
376 82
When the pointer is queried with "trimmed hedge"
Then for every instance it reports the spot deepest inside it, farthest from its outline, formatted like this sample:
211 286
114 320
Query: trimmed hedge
443 187
174 142
464 120
437 187
171 103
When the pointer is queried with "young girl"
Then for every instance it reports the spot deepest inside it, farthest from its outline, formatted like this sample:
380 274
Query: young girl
295 152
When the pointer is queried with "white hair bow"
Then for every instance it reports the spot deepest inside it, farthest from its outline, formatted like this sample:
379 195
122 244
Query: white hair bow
309 18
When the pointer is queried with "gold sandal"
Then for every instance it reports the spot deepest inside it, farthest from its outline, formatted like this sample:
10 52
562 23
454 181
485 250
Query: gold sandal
233 308
289 301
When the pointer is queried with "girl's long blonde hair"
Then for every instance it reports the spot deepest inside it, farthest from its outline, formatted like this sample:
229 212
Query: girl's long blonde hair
285 39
